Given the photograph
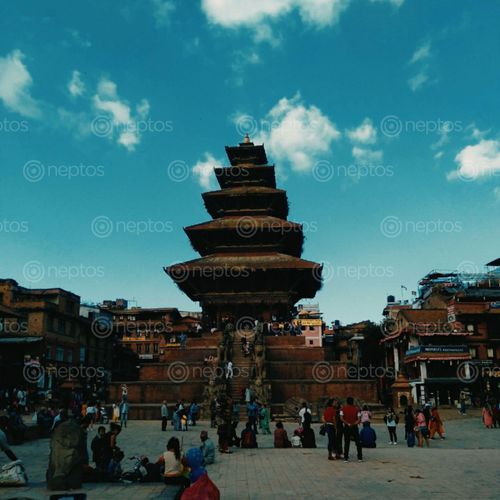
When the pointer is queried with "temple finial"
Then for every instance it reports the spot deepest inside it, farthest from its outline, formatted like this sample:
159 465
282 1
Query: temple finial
246 140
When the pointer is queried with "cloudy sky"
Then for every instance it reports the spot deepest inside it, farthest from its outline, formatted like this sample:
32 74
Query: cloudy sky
380 115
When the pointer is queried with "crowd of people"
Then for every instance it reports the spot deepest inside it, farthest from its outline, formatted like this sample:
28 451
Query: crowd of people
344 424
183 415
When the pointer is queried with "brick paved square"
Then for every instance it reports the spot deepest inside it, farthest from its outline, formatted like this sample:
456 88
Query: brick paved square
465 465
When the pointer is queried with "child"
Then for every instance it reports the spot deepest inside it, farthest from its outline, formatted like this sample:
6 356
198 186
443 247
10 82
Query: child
296 442
116 413
184 422
366 415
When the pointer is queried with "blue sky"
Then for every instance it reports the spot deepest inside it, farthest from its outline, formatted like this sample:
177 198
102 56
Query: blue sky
380 115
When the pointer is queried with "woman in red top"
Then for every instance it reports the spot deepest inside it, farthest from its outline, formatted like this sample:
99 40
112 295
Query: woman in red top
329 419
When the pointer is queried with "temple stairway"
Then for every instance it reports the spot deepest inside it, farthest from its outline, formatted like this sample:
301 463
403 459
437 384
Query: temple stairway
242 368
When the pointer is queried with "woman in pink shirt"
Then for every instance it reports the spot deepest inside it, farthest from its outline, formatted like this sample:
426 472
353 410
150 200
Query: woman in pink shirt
421 429
366 415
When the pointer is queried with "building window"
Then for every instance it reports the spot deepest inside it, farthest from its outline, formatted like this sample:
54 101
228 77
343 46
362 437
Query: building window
50 323
49 352
69 356
59 354
491 353
82 354
473 351
155 348
139 348
62 326
147 348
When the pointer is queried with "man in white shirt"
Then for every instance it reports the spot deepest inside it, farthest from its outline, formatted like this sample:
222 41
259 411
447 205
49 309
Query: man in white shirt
229 370
302 413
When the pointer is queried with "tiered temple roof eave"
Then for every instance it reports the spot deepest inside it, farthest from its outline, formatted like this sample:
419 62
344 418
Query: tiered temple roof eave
246 232
247 154
224 275
246 175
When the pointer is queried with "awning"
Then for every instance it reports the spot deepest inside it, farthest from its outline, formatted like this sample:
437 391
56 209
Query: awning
19 340
438 357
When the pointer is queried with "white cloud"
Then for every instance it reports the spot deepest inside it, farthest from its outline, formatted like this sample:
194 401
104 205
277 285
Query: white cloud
236 13
264 33
258 15
143 108
241 61
365 133
438 155
76 86
204 171
444 138
496 192
365 156
477 161
422 52
417 81
124 123
79 40
162 11
297 135
476 133
15 84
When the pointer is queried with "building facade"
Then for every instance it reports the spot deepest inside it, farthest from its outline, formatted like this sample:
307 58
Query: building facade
448 342
149 332
46 342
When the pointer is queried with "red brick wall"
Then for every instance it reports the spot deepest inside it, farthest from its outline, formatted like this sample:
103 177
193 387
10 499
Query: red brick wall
283 390
156 392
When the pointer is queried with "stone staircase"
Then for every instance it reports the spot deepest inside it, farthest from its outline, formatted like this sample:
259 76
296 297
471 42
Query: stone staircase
242 367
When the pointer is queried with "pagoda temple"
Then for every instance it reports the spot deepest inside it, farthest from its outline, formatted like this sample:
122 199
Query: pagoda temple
250 265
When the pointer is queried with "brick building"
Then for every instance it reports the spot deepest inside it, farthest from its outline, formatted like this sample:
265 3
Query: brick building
149 332
448 342
43 328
